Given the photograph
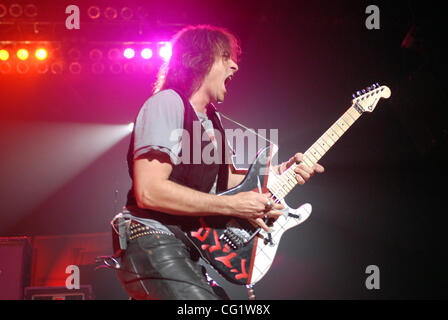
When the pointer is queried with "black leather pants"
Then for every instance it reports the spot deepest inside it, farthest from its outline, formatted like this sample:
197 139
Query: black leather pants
161 267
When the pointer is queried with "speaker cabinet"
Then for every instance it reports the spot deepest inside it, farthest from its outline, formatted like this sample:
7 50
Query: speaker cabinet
59 293
15 267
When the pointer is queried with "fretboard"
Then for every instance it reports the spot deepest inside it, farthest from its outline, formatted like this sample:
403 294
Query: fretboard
287 181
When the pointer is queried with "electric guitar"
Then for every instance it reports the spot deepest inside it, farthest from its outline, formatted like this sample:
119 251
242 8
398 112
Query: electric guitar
242 253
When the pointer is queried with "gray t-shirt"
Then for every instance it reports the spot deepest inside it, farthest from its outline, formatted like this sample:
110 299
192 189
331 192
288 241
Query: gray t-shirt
160 117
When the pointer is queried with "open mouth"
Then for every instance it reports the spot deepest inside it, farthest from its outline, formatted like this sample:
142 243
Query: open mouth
230 77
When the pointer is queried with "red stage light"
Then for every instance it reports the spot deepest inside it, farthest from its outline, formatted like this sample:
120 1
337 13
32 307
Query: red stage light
4 55
111 13
22 67
94 12
5 67
41 54
22 54
30 11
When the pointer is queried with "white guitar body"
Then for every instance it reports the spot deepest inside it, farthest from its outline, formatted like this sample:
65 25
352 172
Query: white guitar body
266 250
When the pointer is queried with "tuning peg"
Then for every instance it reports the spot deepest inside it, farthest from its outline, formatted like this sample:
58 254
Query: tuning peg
358 93
354 96
363 91
377 85
369 89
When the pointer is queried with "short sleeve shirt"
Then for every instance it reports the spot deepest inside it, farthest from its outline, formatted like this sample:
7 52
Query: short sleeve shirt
156 128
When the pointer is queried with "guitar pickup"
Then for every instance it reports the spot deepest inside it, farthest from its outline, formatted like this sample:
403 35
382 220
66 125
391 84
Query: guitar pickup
297 216
232 239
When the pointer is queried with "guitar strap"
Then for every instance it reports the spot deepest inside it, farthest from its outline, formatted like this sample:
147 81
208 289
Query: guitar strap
243 126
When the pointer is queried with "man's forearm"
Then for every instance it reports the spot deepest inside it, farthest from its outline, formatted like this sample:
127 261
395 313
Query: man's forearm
170 197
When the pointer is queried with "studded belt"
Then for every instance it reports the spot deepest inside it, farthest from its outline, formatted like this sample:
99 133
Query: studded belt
139 230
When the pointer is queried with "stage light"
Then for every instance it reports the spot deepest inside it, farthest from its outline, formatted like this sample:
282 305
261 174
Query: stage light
57 68
4 55
22 67
126 13
129 53
88 142
74 54
97 68
111 13
131 127
93 12
142 13
146 53
165 51
116 68
41 54
3 10
113 54
30 11
22 54
42 68
5 67
96 54
129 68
15 10
75 68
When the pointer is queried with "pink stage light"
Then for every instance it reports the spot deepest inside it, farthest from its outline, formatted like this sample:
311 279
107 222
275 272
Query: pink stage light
165 51
129 53
146 53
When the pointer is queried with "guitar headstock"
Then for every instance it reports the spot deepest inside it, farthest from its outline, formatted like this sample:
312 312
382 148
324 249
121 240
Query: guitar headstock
367 99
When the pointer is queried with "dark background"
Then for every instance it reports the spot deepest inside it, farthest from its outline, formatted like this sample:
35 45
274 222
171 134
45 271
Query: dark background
380 200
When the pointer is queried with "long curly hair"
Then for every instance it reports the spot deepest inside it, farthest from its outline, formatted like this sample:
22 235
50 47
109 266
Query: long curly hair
194 50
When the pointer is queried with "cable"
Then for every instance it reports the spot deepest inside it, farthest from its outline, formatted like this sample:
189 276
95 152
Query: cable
248 129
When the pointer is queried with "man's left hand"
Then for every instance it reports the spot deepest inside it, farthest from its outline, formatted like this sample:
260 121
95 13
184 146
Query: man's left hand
302 171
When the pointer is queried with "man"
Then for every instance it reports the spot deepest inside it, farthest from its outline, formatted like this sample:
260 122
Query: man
170 189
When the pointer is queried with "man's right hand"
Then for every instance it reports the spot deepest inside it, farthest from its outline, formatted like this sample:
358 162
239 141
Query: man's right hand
253 206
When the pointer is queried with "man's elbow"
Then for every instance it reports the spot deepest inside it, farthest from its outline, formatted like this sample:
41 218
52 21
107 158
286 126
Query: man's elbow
146 199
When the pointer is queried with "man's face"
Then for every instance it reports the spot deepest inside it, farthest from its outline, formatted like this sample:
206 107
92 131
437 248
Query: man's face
216 80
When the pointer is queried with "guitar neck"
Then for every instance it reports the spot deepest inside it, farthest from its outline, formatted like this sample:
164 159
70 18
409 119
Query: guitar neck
287 181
